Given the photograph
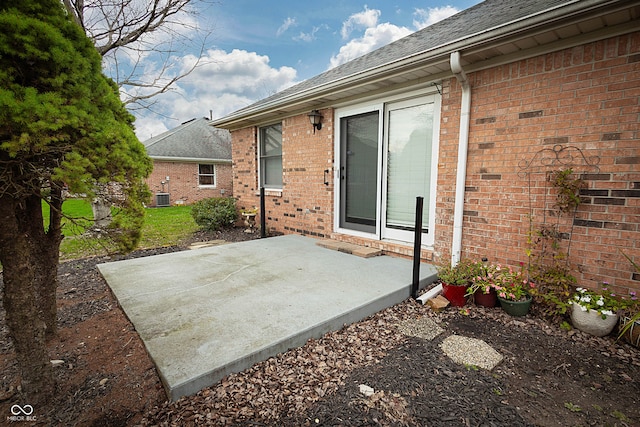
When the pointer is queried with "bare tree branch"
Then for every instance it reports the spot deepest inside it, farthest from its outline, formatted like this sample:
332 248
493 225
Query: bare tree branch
130 34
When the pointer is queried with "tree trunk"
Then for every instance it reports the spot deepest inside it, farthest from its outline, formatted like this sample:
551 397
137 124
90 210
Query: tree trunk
26 328
47 246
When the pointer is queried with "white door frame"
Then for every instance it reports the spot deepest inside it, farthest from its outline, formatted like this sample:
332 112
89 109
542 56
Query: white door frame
381 106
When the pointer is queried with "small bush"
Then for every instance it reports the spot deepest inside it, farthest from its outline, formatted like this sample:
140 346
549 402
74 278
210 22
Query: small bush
214 213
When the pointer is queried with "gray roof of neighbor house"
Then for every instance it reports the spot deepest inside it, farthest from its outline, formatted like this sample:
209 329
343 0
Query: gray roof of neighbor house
195 140
490 33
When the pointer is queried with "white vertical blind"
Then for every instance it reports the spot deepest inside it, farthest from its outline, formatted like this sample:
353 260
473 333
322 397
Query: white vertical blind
408 163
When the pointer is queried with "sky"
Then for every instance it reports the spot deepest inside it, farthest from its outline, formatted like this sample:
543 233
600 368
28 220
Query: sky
255 48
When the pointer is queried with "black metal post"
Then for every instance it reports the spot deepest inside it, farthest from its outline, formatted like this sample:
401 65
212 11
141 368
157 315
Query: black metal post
417 243
263 215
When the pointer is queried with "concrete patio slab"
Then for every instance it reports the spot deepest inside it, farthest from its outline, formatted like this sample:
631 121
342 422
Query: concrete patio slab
206 313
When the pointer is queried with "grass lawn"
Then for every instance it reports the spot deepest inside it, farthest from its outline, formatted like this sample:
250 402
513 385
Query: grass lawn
167 226
162 227
78 209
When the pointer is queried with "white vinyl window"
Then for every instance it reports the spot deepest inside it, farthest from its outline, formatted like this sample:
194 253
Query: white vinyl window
271 156
206 175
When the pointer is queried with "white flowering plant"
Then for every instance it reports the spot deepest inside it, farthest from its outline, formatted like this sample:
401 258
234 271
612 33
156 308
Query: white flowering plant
605 302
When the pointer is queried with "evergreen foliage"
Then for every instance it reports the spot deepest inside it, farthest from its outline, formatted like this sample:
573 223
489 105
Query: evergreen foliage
62 128
214 213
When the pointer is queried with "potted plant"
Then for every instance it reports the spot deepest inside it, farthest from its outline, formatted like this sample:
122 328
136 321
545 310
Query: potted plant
595 312
513 289
455 280
483 286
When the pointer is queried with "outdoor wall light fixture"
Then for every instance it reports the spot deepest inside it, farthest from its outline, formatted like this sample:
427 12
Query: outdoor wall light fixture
316 120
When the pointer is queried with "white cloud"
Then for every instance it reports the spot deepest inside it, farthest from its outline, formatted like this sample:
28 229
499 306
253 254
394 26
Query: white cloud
309 37
366 19
373 38
149 126
224 82
425 17
288 23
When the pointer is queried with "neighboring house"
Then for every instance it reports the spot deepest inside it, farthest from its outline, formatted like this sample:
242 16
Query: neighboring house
190 162
454 113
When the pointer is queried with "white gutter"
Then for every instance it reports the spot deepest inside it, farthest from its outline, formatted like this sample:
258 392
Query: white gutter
463 148
189 159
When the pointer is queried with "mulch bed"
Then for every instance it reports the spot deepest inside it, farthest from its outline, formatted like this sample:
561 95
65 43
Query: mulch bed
548 377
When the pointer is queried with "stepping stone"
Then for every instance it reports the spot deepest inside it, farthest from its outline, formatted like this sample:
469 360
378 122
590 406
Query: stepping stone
470 351
424 328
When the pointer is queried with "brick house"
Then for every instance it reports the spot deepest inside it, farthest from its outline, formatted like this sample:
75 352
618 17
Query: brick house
470 113
190 162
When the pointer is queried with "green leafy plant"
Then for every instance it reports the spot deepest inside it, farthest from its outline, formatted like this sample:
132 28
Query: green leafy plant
568 190
555 284
572 407
513 285
549 244
214 213
634 307
484 280
459 274
507 282
621 416
605 302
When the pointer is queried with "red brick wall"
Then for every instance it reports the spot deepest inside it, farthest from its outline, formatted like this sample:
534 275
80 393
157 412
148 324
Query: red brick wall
587 97
305 204
183 183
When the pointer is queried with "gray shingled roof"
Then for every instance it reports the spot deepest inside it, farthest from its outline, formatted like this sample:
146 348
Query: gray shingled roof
483 35
193 140
477 19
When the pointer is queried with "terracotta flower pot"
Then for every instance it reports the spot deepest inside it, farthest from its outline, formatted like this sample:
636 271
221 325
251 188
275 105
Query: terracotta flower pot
592 322
515 308
485 300
455 294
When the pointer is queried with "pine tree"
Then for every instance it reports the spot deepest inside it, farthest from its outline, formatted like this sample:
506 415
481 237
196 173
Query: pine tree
62 128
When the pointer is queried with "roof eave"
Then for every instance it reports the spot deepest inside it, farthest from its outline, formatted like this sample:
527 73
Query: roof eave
189 159
548 19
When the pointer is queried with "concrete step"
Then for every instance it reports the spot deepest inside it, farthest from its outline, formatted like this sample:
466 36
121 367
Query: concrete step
350 248
207 244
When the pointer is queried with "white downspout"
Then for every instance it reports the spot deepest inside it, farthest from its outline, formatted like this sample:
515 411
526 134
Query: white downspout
463 146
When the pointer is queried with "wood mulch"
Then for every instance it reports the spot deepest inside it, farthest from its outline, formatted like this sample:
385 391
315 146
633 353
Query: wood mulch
548 377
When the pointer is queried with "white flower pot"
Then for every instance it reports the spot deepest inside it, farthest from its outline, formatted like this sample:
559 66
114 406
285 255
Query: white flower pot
592 322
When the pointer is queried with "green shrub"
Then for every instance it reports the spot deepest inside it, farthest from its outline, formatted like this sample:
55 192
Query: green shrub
214 213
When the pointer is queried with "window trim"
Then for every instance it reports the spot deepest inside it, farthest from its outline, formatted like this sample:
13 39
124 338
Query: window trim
214 175
261 157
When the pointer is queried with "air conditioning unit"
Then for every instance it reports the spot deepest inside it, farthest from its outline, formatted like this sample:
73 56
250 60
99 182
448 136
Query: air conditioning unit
162 200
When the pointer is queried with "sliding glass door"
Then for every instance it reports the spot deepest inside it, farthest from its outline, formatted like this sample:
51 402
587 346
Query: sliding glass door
408 142
387 155
359 171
